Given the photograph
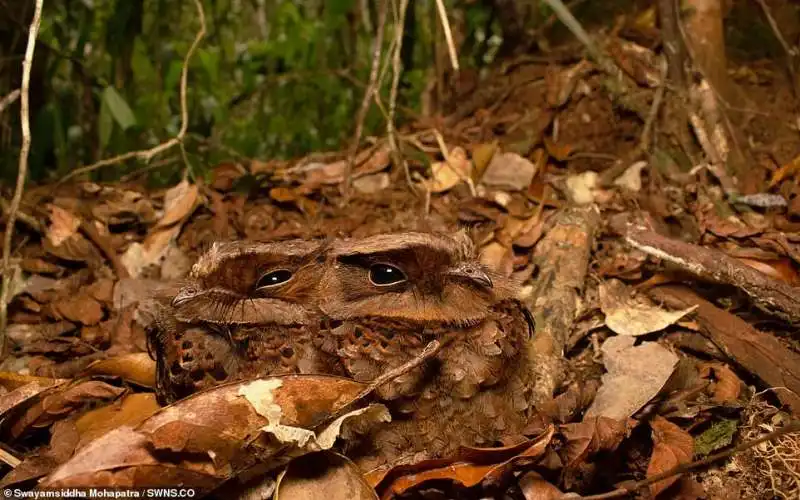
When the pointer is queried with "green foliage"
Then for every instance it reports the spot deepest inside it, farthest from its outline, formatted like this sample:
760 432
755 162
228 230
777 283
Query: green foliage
718 435
267 80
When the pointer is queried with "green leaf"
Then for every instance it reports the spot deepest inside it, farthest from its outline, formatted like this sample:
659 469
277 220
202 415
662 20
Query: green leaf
105 125
172 78
719 435
210 61
119 109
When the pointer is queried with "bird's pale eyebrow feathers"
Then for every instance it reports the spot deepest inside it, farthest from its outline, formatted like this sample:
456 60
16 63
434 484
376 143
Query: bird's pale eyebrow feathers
221 253
458 245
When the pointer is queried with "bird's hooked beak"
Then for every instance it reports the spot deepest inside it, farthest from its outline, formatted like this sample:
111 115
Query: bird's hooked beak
471 272
184 295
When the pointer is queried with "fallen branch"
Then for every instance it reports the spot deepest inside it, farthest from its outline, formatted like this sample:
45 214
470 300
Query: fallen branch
148 154
759 353
22 173
771 296
562 257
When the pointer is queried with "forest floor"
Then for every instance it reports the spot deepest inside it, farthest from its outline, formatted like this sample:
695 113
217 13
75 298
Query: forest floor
699 288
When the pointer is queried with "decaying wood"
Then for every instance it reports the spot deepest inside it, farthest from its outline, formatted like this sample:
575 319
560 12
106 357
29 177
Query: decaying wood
770 295
759 353
563 259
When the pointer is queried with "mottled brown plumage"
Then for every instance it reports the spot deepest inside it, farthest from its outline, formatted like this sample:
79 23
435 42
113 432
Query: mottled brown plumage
245 310
388 296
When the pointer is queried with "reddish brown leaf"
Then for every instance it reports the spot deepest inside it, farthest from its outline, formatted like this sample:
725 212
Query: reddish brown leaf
137 367
130 410
218 424
23 388
57 402
40 266
534 487
323 475
179 202
224 175
63 225
591 436
727 386
672 446
80 309
787 170
467 474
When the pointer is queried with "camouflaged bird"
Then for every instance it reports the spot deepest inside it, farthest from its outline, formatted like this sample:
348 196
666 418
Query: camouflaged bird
245 310
387 297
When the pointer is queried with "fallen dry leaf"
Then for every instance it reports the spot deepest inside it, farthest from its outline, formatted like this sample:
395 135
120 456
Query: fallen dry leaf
137 367
80 309
672 446
23 388
591 436
446 175
630 314
631 179
726 386
465 473
509 171
498 258
210 435
370 184
785 171
582 188
59 401
323 475
634 376
179 203
534 487
63 225
481 156
130 410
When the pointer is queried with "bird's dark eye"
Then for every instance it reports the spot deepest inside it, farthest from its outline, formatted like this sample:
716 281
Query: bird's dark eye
273 278
385 274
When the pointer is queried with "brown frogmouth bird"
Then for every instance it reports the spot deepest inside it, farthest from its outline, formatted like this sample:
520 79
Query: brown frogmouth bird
245 310
387 297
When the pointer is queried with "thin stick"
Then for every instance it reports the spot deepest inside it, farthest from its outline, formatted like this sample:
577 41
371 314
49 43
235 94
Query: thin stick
148 154
9 459
790 51
9 100
371 89
430 350
22 173
629 487
397 69
448 35
572 24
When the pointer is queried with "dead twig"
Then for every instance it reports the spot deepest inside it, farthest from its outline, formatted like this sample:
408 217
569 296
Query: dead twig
448 34
8 100
610 175
770 295
372 87
391 133
791 52
430 350
22 173
148 154
628 487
